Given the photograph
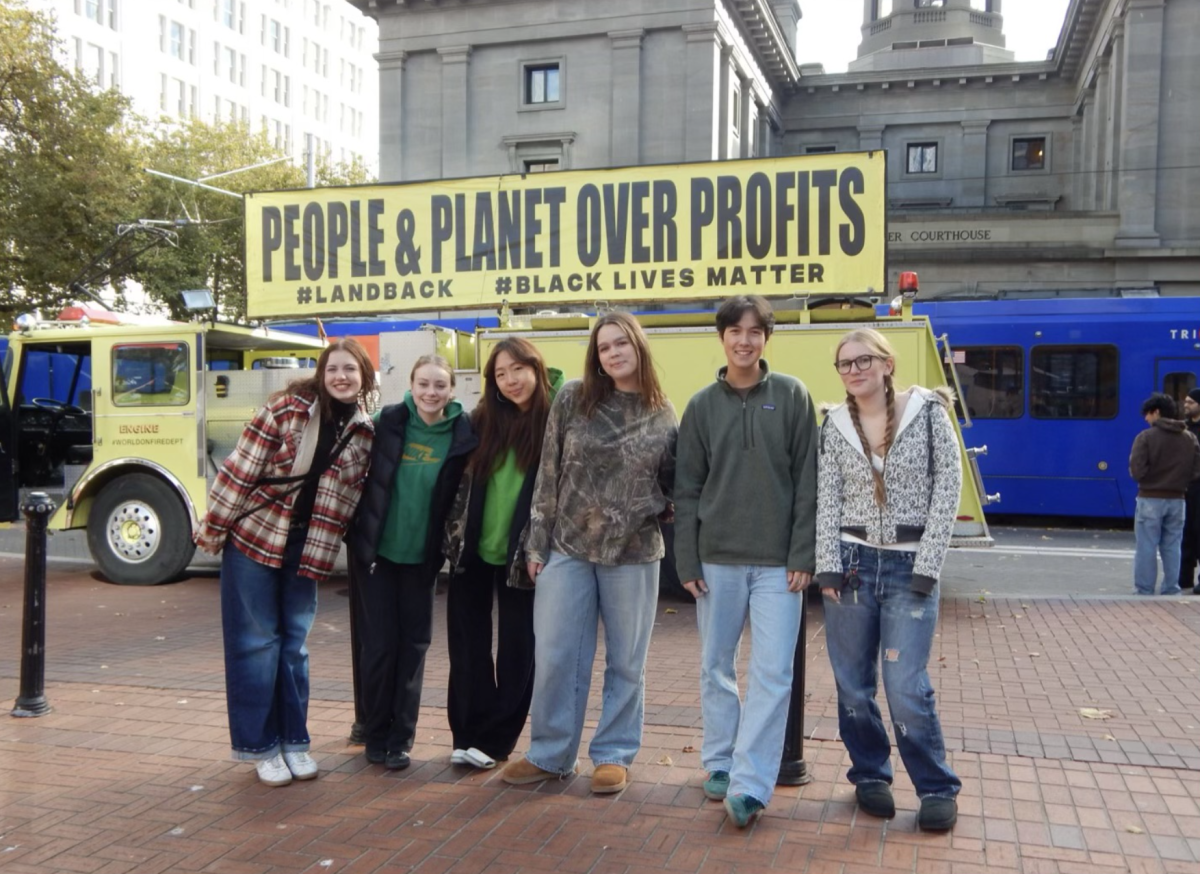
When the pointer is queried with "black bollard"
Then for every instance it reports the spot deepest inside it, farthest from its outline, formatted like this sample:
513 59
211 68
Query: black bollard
792 770
32 699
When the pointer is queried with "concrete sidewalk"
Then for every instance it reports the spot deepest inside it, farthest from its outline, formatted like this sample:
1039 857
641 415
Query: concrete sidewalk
130 773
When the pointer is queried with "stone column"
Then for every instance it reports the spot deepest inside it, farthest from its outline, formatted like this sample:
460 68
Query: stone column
701 91
1141 86
1078 133
1103 139
625 144
994 6
728 79
455 116
391 115
868 11
973 189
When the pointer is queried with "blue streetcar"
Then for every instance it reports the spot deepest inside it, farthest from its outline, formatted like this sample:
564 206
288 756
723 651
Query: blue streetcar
1054 387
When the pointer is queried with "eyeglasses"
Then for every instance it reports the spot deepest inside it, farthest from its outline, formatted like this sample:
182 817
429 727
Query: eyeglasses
862 362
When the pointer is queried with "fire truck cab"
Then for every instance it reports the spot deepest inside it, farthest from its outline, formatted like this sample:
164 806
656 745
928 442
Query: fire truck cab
124 422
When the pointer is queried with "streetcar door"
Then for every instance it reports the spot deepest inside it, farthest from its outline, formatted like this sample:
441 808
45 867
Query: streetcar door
1176 377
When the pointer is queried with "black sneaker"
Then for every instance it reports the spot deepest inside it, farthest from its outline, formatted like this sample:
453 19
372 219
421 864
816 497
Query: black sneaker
876 799
357 737
376 755
397 761
937 814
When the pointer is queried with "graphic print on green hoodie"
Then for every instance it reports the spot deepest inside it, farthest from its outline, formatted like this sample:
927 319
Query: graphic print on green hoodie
425 446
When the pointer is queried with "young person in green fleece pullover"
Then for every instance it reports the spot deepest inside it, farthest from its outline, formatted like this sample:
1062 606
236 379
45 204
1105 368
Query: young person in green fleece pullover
395 552
745 545
488 699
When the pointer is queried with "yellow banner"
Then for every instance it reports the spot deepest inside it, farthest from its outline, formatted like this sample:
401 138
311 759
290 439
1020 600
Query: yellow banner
775 226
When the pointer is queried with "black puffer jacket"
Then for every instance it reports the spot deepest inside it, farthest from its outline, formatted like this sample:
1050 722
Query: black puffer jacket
363 536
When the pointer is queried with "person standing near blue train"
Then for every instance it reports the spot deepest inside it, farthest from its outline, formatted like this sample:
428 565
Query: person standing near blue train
889 478
395 551
745 517
1190 551
1164 461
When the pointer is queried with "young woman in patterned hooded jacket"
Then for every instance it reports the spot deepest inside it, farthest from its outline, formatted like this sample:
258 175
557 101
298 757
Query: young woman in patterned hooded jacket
889 477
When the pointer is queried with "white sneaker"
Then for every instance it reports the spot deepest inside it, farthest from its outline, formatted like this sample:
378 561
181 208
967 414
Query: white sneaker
274 771
474 757
301 765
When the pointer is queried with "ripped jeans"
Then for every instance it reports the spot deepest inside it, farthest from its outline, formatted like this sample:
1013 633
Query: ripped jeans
888 617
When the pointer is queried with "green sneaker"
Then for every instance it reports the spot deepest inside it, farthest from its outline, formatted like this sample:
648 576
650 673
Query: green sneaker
743 809
716 787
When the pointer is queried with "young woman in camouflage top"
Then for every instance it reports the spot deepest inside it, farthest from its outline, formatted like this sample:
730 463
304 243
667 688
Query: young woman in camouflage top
604 481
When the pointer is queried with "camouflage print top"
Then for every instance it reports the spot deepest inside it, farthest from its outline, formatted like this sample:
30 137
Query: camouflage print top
603 481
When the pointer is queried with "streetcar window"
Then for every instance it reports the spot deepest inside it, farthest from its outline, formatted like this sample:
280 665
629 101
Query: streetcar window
992 379
1073 382
1177 385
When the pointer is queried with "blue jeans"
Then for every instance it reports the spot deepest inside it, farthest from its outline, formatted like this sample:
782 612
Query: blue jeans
746 741
571 596
1158 527
266 614
891 617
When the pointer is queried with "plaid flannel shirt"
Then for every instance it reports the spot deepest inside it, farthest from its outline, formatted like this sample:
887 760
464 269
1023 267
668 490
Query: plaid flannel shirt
267 448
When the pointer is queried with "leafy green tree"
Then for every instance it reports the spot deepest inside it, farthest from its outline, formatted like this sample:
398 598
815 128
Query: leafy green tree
211 232
67 165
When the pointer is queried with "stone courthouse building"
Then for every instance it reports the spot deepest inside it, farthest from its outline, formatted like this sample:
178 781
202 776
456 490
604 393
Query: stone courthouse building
1076 174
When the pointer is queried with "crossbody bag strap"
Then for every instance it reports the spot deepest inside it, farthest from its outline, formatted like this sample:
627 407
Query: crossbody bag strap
298 479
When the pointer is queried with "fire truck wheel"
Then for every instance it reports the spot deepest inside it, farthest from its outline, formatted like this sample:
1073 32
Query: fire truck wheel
139 532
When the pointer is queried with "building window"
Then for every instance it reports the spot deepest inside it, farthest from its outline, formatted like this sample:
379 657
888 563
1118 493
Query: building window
922 158
1073 382
542 84
820 150
992 379
736 109
546 165
1029 153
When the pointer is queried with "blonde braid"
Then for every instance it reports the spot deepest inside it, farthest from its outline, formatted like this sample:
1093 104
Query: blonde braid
852 407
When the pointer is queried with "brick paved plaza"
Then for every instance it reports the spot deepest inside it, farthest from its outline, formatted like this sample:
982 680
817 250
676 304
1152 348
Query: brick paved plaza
131 773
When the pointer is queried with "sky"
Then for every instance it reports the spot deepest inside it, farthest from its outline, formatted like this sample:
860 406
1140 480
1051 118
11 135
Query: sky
831 30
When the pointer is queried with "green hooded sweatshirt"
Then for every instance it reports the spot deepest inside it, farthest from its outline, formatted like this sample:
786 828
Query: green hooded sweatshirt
425 446
503 489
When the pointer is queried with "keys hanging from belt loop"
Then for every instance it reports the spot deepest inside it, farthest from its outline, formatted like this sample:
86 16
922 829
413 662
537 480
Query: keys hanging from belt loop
853 581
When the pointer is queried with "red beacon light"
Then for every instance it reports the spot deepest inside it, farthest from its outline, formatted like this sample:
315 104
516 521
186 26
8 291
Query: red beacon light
88 314
908 291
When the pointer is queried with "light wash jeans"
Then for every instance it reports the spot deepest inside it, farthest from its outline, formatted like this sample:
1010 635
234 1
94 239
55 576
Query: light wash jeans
571 597
888 616
746 739
1158 527
266 614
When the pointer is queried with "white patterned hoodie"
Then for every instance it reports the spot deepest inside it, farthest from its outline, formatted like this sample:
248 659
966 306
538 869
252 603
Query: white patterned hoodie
922 475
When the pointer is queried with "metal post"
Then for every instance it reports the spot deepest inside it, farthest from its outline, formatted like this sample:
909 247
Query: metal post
32 699
792 770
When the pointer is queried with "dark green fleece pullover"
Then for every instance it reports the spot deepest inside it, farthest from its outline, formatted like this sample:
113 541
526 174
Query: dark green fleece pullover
746 477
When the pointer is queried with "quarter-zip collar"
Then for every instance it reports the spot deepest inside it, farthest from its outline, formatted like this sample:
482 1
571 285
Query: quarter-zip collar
764 373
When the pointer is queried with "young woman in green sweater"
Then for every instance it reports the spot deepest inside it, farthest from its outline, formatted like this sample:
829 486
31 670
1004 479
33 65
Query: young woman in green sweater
485 542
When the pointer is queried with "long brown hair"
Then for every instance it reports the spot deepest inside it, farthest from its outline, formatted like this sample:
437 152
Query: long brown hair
878 345
598 385
315 384
501 424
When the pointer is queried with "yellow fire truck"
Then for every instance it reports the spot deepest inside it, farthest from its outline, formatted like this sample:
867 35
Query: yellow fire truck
123 423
